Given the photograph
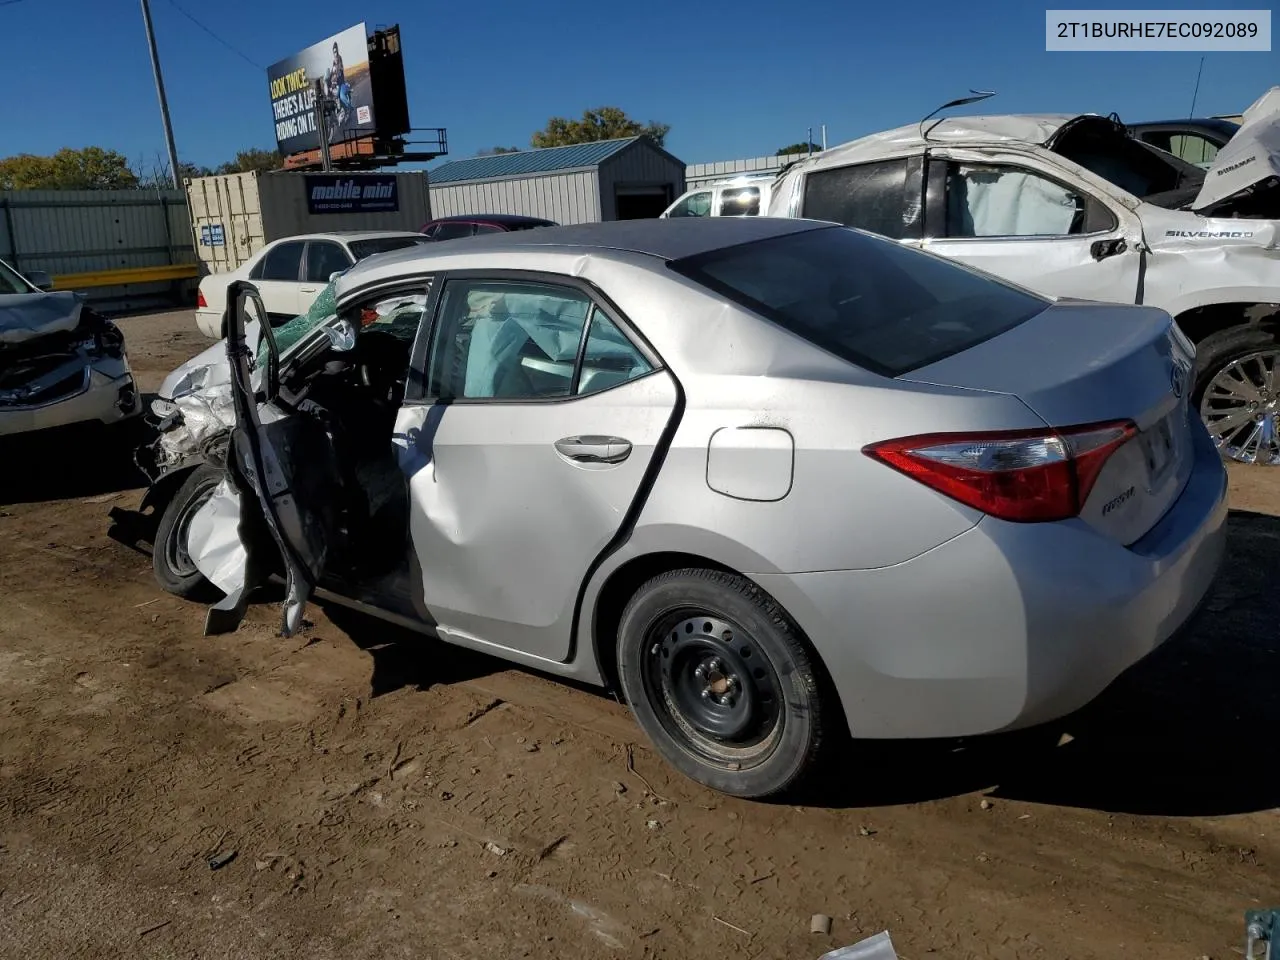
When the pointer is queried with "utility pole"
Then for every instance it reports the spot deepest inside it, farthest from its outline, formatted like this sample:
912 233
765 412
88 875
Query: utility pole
164 103
824 136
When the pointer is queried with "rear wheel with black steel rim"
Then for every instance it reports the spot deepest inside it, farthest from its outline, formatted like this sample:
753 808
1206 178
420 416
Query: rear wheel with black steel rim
721 681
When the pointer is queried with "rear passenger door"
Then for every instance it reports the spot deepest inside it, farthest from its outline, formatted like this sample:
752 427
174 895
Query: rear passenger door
532 416
1030 225
278 277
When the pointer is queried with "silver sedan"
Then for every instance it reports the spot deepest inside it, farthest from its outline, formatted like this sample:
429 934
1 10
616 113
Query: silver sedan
774 480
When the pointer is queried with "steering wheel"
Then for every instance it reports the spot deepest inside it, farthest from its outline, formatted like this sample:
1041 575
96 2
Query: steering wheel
382 364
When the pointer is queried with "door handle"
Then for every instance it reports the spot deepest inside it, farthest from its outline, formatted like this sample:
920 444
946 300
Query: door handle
309 289
594 449
1101 249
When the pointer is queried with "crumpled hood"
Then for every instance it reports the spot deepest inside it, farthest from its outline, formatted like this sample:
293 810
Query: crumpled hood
1248 158
26 316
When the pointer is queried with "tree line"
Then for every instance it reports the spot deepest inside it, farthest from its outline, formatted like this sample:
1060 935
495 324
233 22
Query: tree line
96 168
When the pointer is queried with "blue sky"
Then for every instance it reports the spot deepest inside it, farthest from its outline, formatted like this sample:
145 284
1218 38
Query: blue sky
734 79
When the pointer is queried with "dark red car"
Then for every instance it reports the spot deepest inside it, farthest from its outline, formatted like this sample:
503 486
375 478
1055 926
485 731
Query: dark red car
450 228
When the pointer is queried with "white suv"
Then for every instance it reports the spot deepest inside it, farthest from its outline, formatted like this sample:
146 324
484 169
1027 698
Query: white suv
1073 207
740 197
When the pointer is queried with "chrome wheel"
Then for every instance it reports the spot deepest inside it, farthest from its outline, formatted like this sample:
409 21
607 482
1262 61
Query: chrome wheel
1241 408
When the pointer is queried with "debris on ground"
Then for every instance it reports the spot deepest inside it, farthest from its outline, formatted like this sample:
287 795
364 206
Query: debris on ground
985 804
220 860
879 947
495 849
820 923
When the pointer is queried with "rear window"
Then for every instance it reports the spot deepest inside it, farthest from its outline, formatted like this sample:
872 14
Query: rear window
883 306
367 248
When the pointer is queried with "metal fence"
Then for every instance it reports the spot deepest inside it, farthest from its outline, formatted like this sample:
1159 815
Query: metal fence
102 242
698 174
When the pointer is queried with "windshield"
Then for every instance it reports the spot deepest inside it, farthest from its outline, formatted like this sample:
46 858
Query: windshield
290 334
882 306
367 248
10 282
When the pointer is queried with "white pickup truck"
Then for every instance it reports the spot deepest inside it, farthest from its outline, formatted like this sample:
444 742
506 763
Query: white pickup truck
1073 207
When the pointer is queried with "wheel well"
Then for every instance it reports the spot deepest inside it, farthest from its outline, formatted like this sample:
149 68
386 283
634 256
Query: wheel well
1200 323
618 591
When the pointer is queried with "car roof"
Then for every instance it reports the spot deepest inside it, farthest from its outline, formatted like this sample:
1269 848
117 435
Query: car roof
1033 128
350 235
490 218
662 239
1202 123
763 179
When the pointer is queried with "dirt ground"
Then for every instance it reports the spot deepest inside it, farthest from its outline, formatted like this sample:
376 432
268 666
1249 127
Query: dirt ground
385 796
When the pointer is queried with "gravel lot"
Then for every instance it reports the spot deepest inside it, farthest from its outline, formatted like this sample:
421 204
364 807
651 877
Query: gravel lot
385 796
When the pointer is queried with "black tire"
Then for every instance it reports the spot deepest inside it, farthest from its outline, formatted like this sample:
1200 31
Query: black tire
1214 354
173 568
751 731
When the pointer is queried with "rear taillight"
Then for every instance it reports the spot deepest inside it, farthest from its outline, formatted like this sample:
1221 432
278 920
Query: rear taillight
200 300
1020 475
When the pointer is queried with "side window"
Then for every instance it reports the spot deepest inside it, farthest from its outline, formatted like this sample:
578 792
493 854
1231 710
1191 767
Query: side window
325 258
281 263
1159 139
1193 149
520 341
487 228
452 229
1004 201
399 314
609 358
694 205
740 202
869 196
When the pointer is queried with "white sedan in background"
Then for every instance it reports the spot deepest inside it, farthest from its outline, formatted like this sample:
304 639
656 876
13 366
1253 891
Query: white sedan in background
290 273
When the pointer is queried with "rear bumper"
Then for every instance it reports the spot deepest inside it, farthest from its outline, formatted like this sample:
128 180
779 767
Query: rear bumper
209 322
109 395
1008 625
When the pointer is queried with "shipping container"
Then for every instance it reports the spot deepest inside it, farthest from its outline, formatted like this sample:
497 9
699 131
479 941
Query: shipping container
233 216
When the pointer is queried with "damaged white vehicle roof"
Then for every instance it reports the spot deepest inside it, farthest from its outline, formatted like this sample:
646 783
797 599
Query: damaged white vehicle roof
1251 157
1037 128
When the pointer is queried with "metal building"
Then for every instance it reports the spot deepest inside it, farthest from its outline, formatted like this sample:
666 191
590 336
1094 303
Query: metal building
627 179
700 174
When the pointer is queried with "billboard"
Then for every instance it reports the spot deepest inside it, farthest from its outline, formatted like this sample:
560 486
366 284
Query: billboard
341 63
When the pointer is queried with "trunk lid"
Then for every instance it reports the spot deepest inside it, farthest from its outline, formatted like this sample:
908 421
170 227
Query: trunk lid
1081 363
1249 159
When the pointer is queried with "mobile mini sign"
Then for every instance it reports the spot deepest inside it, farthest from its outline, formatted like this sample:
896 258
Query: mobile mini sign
337 193
341 64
